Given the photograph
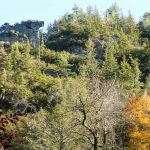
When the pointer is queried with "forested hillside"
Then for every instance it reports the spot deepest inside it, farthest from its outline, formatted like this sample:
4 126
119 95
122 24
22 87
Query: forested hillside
81 88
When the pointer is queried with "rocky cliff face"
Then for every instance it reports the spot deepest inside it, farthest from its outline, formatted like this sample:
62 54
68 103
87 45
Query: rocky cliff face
21 32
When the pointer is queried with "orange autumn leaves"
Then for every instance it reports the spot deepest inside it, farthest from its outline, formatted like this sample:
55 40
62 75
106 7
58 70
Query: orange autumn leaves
137 113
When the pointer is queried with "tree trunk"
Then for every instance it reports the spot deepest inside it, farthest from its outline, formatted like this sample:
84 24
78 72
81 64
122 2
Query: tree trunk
104 139
61 144
95 146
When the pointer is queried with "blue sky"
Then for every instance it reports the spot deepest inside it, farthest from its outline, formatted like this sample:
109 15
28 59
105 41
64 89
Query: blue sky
13 11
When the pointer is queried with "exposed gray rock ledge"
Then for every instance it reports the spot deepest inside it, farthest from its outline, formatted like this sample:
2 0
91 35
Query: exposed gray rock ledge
21 32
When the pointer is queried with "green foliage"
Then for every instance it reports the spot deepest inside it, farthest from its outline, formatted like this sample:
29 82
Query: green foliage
22 81
110 66
90 68
124 43
73 30
131 29
63 63
71 90
143 55
129 74
148 83
113 16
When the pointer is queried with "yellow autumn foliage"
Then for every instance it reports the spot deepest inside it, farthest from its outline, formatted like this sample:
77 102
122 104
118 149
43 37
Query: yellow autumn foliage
137 113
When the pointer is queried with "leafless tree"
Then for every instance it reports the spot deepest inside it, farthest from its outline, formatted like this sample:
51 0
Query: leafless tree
99 112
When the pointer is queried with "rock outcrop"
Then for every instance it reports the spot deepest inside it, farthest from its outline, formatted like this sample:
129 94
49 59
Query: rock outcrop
21 32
